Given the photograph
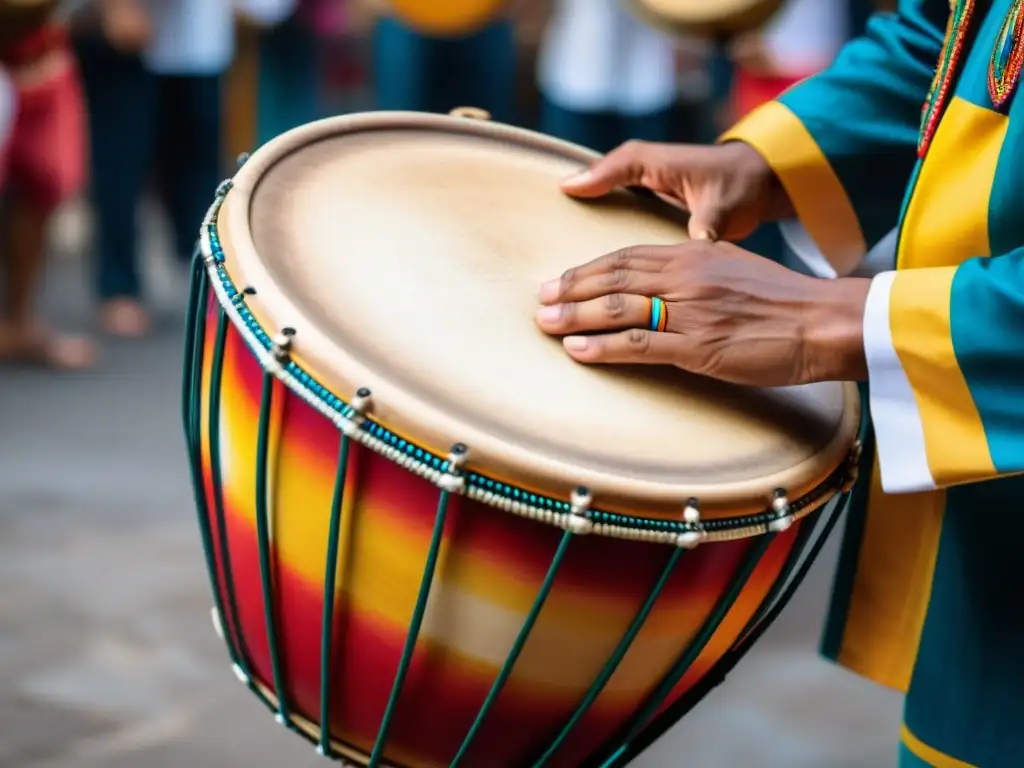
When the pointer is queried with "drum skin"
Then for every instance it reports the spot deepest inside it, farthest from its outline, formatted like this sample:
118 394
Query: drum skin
490 569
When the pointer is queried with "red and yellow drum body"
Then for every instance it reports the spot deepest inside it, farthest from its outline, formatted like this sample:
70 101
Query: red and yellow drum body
399 608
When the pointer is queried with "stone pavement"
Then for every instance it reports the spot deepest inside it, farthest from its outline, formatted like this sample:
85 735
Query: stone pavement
107 655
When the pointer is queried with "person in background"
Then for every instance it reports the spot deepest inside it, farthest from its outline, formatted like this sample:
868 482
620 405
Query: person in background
606 76
42 164
799 41
8 103
417 71
153 79
289 77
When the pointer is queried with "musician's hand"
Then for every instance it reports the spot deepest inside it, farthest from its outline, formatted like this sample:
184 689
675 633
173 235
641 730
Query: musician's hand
728 188
732 315
125 25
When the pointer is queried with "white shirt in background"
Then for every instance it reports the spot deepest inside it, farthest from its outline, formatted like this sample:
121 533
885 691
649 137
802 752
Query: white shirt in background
595 56
805 35
197 37
8 105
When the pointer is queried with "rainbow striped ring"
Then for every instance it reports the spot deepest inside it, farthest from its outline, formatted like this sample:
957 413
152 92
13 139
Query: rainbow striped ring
659 314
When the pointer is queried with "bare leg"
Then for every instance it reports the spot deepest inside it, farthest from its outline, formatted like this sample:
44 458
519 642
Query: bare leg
22 338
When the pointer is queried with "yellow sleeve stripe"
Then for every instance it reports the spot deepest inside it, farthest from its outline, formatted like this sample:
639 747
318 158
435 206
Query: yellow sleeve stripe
929 755
919 317
818 196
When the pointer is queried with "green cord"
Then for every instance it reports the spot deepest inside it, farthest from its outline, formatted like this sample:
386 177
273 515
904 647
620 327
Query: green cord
330 586
263 536
619 654
517 647
232 634
694 650
414 629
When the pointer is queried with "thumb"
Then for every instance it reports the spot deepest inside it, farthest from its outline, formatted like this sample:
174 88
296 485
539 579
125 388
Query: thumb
624 167
707 222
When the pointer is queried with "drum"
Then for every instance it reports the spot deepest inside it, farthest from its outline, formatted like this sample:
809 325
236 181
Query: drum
433 538
451 18
720 18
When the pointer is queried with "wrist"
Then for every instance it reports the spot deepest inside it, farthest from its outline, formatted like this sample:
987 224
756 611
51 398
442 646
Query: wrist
775 203
833 331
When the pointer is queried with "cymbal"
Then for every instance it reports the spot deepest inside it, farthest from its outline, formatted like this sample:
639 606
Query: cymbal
705 18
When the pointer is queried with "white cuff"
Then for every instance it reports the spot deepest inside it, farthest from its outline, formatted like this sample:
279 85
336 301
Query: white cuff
899 432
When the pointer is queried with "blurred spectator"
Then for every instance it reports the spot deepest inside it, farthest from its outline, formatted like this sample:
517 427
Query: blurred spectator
417 71
8 103
153 71
42 164
606 77
799 41
289 76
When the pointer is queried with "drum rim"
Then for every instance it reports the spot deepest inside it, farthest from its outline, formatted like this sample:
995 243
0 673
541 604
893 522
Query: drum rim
753 17
313 369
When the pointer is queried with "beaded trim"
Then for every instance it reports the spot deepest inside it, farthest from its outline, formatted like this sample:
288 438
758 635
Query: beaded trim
961 13
1007 58
570 514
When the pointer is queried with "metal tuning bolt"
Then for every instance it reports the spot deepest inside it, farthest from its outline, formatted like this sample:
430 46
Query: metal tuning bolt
695 532
580 522
242 159
783 515
356 414
472 113
242 295
453 480
281 347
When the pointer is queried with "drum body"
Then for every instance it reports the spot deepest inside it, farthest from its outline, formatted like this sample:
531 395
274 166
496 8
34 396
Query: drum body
451 18
722 18
404 600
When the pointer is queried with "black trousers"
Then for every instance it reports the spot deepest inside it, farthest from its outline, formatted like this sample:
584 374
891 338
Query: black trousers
146 127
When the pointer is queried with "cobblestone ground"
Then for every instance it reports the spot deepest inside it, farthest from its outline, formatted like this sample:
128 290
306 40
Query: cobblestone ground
107 656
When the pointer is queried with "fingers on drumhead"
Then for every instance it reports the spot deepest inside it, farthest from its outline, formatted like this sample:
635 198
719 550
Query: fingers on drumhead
631 346
623 167
615 311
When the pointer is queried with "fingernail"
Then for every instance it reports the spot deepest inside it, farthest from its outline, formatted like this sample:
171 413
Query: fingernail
577 179
575 343
550 314
550 290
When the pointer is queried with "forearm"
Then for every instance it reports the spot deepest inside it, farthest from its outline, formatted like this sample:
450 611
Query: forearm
844 143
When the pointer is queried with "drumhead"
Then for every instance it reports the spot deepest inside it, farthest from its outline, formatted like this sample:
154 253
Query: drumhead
406 251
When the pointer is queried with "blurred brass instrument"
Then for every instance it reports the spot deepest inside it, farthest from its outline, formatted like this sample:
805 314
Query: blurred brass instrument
705 18
446 18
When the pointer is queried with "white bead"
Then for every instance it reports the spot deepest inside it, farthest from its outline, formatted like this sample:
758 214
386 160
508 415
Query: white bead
452 483
580 525
690 539
781 524
280 719
242 677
